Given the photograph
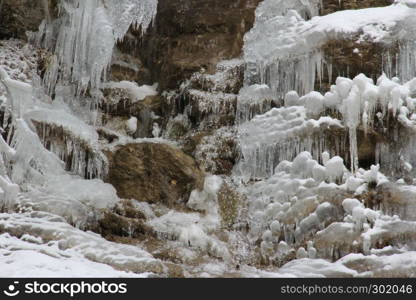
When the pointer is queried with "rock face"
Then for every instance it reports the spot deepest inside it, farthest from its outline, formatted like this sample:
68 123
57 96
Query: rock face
155 173
147 111
128 67
19 16
191 34
350 57
217 153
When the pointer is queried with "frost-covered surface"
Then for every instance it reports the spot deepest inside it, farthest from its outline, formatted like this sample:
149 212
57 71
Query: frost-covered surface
86 34
40 244
252 100
282 133
196 230
311 209
288 56
298 202
136 93
279 135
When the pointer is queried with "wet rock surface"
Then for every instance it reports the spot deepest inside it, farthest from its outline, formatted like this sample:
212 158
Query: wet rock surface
189 35
155 173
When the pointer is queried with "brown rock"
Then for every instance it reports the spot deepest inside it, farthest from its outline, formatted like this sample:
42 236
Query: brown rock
19 16
115 225
191 34
155 173
128 67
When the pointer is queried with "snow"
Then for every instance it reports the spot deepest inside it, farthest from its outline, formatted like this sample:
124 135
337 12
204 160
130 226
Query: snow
350 204
270 138
301 210
136 92
335 168
32 264
53 248
375 22
288 57
131 125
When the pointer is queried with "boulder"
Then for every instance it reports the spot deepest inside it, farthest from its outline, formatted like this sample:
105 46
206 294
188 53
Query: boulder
155 173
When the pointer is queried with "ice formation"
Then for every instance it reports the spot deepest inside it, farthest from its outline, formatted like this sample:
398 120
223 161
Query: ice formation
85 36
196 230
289 165
252 100
289 57
82 40
62 250
131 125
294 207
136 93
305 205
45 140
282 133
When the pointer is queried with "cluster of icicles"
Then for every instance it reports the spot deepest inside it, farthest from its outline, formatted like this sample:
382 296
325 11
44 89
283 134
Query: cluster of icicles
282 133
283 50
84 36
283 58
82 40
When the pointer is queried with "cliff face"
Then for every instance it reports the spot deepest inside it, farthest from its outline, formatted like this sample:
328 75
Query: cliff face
210 167
189 35
186 36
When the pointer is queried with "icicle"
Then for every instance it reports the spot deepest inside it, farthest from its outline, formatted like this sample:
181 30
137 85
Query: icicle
403 63
267 58
351 111
8 190
85 38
